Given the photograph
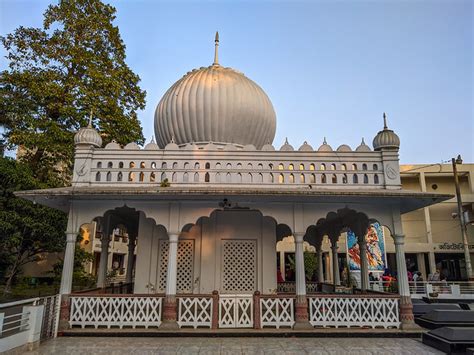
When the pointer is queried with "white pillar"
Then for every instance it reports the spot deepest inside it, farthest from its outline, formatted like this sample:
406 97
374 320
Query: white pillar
172 264
320 264
335 265
104 258
420 259
130 258
403 286
328 276
299 261
68 264
281 255
364 264
432 263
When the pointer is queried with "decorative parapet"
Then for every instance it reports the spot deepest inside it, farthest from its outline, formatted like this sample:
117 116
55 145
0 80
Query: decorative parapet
200 166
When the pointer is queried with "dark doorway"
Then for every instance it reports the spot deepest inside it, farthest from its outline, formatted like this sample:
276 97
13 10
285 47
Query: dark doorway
452 266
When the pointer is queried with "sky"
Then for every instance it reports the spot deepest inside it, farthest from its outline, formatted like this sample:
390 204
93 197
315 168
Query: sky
330 68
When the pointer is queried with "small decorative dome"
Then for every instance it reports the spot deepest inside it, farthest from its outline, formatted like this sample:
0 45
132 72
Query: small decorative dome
88 136
325 147
344 148
305 147
287 147
172 145
132 146
152 145
249 147
113 145
191 146
231 147
210 146
363 147
386 139
215 104
268 148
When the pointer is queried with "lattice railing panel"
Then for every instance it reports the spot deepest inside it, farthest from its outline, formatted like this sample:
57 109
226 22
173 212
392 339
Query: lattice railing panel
239 265
185 273
115 311
235 312
354 312
195 312
277 312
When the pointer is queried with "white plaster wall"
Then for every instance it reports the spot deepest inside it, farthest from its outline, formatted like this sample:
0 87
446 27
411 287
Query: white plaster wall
208 236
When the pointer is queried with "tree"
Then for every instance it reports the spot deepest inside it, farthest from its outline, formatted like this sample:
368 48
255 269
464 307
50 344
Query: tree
58 75
26 229
80 277
310 264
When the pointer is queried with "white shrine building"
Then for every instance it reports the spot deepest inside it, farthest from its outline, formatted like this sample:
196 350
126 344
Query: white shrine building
205 205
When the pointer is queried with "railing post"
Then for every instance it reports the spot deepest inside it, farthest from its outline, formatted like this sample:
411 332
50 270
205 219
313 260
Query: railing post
35 322
215 310
455 290
64 312
429 289
257 322
2 315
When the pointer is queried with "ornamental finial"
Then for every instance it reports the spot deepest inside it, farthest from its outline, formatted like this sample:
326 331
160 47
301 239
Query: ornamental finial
324 141
89 125
216 49
385 121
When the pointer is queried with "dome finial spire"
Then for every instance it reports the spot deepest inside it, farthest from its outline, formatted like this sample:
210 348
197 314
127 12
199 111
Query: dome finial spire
89 125
216 49
385 121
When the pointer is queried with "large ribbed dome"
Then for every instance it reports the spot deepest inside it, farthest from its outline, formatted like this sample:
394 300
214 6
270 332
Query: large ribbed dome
215 104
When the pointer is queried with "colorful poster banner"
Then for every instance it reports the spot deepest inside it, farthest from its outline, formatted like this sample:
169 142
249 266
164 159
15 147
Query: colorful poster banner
376 255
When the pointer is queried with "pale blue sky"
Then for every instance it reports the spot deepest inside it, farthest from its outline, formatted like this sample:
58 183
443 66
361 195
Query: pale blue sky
330 67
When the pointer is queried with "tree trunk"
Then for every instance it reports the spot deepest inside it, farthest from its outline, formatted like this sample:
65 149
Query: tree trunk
13 272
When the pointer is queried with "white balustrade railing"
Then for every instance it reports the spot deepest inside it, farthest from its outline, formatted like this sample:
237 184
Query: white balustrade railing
115 311
442 289
195 312
20 324
277 312
354 311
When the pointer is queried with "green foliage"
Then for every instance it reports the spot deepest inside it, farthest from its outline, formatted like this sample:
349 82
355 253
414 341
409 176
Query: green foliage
80 278
58 75
26 229
310 264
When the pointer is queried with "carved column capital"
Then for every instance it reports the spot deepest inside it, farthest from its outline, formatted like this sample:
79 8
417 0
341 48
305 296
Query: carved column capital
299 237
399 239
173 237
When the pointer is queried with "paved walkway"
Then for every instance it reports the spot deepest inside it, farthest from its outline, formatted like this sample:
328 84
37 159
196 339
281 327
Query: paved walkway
273 346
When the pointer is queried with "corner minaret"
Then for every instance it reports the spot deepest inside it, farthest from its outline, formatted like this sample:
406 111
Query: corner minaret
85 141
386 138
388 144
88 136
